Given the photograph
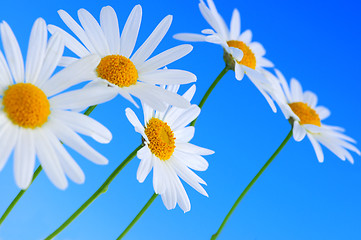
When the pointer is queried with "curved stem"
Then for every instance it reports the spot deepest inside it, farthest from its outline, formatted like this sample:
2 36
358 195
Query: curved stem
210 89
146 206
17 198
36 173
251 184
95 195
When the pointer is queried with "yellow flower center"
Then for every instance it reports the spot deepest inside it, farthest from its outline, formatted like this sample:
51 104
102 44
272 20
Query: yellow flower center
161 138
306 114
117 70
248 59
26 105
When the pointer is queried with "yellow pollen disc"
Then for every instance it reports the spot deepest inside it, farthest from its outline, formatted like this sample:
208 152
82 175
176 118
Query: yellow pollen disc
306 114
248 59
117 70
161 138
26 105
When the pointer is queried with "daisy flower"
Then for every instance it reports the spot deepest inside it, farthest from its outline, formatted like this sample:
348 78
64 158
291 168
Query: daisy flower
118 70
35 115
302 111
240 53
167 150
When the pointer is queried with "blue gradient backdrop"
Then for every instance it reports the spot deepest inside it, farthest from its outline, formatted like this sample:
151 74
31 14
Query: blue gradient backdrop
297 198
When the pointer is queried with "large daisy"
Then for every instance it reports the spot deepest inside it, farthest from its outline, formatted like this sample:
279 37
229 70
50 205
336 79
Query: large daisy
168 152
302 111
118 70
35 115
240 53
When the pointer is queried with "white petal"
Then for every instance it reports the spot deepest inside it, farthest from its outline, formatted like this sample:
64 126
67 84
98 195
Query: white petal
246 37
70 167
165 58
5 78
168 76
9 135
316 147
152 41
12 52
133 119
284 85
84 125
235 25
257 48
52 57
145 164
109 24
94 32
24 158
75 73
310 98
49 160
296 90
239 71
130 31
77 30
298 131
182 197
158 176
83 98
184 134
190 37
36 50
193 161
142 90
74 141
323 112
190 93
70 42
191 148
188 116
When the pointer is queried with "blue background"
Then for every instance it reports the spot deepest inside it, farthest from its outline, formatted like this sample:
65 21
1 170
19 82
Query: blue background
317 42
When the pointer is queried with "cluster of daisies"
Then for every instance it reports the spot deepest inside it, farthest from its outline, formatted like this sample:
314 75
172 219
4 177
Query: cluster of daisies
39 114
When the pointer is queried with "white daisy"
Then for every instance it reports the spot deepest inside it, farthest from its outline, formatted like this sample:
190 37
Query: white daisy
302 110
120 71
240 53
35 115
168 152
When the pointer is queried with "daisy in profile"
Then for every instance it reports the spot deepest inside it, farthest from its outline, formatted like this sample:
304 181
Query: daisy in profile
119 70
168 152
301 109
240 53
35 114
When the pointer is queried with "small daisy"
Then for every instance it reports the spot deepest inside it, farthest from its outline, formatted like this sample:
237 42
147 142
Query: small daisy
168 152
35 115
301 109
240 53
119 71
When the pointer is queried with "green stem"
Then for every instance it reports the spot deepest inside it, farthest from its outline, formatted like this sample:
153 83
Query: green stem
251 184
95 195
36 173
210 89
146 206
17 198
200 105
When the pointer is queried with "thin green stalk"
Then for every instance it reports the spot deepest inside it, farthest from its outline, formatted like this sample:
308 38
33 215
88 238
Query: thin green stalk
210 89
36 173
95 195
251 184
17 198
200 105
146 206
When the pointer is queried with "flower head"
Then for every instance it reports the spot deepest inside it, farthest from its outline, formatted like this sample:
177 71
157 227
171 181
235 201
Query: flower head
168 152
307 118
35 114
240 53
119 70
